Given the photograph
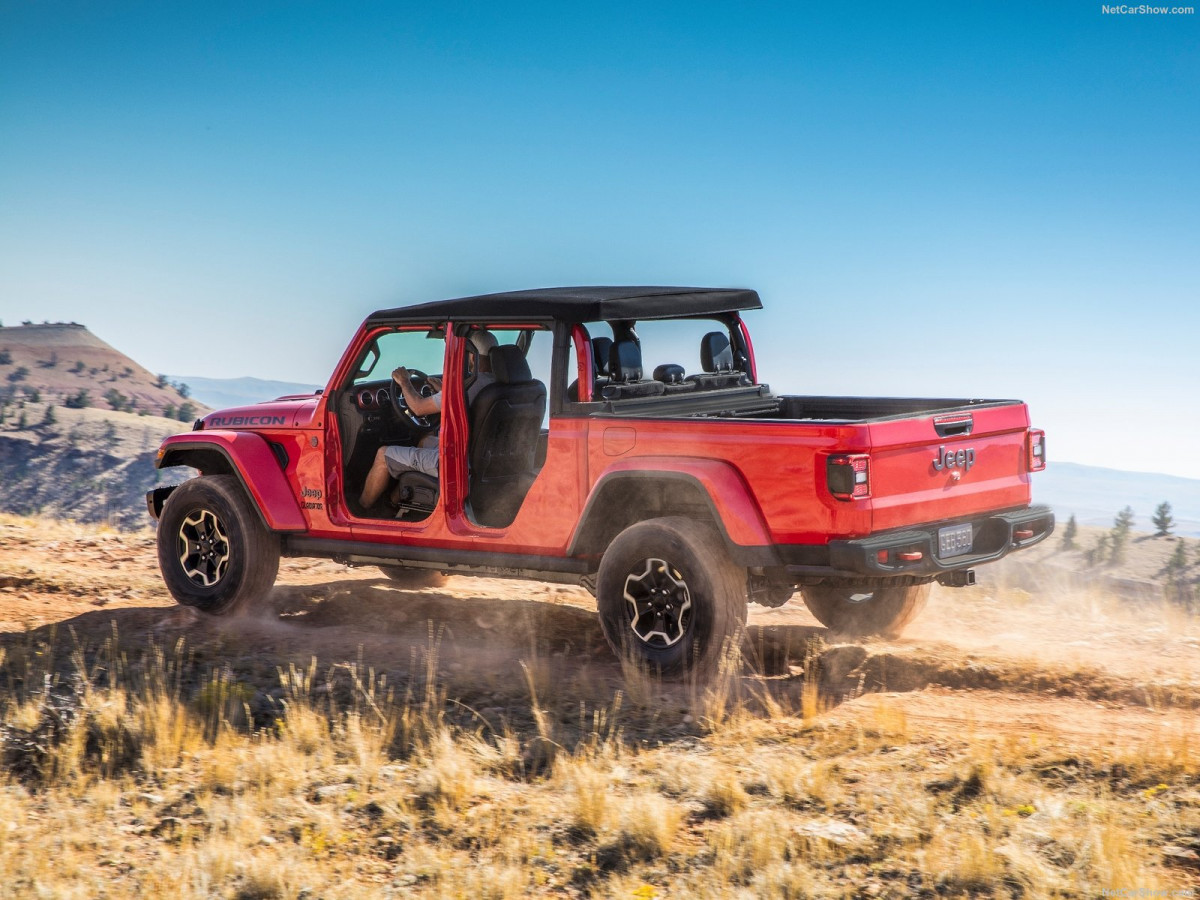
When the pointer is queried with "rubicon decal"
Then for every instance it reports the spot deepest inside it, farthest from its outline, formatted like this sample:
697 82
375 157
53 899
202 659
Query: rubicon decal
241 421
954 459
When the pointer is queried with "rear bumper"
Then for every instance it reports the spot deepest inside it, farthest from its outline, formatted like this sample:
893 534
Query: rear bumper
994 536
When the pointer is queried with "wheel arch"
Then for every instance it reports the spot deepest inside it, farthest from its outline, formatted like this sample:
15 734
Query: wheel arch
705 490
246 456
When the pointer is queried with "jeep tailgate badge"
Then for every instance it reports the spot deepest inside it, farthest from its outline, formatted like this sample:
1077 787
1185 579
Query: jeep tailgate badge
962 459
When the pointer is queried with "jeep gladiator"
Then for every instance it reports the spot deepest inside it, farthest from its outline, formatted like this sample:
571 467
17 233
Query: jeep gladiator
624 443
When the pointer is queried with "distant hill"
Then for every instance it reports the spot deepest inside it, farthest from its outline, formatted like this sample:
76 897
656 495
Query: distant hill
1095 495
65 364
221 393
79 426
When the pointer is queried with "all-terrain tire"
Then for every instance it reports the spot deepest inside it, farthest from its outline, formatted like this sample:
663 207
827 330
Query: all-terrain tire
411 578
669 596
214 551
860 612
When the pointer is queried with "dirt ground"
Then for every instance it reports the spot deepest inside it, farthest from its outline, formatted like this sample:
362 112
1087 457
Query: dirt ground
996 658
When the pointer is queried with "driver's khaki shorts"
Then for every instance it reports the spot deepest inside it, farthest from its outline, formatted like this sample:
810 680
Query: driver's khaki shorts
408 459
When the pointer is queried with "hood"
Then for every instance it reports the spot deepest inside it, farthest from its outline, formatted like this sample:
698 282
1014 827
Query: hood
285 412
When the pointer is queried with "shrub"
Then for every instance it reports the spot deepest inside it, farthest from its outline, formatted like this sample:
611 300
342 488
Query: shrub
116 400
1122 525
1069 533
81 399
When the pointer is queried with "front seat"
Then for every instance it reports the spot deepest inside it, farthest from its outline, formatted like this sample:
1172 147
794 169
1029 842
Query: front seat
506 422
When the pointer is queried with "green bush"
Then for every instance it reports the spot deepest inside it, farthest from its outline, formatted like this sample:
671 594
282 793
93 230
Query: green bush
81 399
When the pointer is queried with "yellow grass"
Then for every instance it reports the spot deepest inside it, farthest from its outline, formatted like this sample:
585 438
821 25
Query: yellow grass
147 778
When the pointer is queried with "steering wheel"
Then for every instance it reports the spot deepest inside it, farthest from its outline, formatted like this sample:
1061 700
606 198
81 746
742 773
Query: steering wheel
420 383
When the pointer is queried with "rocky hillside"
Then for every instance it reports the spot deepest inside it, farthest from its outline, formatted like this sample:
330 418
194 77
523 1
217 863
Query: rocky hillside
79 426
89 465
65 364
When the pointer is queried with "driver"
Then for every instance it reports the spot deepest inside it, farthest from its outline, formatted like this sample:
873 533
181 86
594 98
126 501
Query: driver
394 461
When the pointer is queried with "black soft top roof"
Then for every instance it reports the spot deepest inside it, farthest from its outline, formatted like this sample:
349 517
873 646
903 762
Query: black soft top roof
579 304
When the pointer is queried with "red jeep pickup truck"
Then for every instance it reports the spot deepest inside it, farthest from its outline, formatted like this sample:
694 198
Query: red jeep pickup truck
623 442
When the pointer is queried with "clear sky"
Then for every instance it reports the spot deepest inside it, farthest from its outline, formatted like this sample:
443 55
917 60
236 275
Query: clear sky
948 199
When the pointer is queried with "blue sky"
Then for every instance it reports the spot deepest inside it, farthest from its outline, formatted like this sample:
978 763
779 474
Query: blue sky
933 199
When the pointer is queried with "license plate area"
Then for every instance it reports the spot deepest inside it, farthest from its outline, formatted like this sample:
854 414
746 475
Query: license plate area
955 540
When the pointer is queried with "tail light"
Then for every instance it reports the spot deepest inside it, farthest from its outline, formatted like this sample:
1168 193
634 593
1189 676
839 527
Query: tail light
849 476
1037 450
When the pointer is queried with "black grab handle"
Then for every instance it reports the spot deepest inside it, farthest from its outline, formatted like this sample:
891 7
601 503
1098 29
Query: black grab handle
954 426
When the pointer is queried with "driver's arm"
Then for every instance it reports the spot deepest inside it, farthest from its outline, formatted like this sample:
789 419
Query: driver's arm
420 406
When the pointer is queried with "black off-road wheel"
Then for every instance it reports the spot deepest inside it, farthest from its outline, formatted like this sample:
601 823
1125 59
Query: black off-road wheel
669 596
411 578
862 612
214 551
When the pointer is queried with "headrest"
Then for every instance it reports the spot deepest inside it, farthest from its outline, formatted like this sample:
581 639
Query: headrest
715 353
509 364
601 346
625 361
669 373
482 341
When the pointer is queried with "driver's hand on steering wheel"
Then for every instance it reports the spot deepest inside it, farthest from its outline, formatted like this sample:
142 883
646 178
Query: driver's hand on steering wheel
399 374
434 382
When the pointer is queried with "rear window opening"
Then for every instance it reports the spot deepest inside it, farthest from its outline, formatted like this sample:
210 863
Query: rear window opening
655 358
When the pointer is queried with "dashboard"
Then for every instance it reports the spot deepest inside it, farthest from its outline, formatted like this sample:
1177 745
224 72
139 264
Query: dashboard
372 397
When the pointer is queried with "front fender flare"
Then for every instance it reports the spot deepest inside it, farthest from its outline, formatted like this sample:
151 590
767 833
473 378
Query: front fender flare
247 456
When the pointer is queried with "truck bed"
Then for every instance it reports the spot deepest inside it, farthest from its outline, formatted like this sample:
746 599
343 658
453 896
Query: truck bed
874 409
757 402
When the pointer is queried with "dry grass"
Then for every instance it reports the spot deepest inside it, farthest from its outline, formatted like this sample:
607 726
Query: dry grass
130 778
129 770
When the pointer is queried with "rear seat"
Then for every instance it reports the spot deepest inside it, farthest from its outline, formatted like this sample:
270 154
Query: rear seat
716 359
625 373
672 376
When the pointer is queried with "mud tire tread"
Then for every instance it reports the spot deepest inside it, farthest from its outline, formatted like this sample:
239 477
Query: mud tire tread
716 584
254 550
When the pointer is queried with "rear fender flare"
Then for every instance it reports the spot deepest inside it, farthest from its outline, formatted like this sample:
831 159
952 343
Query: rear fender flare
731 505
249 458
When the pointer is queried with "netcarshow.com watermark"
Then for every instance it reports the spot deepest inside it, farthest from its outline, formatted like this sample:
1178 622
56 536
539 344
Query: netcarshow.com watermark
1147 892
1146 10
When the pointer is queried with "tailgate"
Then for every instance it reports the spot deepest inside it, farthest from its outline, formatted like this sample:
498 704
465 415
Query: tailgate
949 464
